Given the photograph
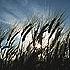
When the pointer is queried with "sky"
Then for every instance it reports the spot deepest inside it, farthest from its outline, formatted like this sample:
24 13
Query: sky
18 10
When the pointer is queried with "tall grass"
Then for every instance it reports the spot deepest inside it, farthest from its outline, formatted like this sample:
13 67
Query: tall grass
54 55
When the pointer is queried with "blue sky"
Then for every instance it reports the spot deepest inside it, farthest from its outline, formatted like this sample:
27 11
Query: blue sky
16 10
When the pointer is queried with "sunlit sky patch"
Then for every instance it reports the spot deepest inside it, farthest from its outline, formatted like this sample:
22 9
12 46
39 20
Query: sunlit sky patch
18 10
